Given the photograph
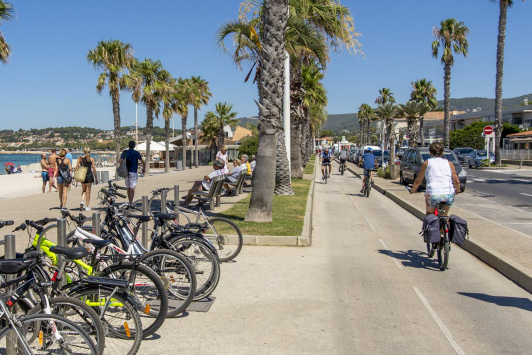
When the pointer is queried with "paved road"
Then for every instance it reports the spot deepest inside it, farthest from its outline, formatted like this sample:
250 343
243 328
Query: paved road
364 287
511 187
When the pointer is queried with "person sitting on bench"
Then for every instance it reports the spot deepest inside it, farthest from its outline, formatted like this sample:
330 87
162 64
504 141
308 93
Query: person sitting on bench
204 185
232 177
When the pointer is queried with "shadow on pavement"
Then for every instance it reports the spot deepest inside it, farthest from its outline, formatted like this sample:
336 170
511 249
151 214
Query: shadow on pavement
503 301
413 258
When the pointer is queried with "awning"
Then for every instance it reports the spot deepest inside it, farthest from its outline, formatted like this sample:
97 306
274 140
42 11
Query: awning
521 140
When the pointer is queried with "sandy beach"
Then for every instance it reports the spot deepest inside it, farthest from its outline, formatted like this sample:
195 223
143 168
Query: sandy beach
26 184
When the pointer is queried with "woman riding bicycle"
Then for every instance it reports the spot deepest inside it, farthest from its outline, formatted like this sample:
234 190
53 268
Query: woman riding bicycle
440 176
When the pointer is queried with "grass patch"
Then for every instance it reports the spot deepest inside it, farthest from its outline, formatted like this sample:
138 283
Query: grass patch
288 213
309 169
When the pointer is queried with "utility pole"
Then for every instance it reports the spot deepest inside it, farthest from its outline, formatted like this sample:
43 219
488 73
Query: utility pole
286 107
136 125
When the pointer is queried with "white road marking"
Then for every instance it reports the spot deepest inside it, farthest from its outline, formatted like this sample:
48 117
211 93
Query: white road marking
516 223
522 193
442 326
397 263
367 220
359 210
344 188
351 197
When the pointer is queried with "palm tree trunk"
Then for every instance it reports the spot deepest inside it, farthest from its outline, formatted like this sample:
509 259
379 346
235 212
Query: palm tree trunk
115 97
421 132
196 137
368 132
149 128
167 145
391 139
498 80
282 169
270 108
221 136
446 104
296 166
184 141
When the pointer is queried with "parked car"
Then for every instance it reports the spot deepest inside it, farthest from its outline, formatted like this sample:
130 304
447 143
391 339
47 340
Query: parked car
475 160
360 153
463 154
414 157
401 151
378 157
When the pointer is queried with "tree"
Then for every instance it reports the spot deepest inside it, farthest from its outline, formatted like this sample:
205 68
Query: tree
387 113
471 135
7 13
385 96
326 133
200 97
424 91
412 110
113 58
223 116
248 145
183 97
149 82
366 112
501 40
275 14
209 128
452 36
168 99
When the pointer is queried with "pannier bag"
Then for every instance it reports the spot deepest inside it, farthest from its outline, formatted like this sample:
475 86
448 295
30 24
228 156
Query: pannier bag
431 229
458 230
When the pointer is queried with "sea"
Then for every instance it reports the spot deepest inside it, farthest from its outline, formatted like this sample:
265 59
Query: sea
27 159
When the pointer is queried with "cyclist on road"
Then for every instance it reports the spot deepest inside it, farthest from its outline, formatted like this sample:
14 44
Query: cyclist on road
326 159
440 176
342 157
368 161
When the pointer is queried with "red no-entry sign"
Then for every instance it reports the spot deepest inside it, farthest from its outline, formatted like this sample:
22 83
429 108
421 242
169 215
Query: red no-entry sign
488 130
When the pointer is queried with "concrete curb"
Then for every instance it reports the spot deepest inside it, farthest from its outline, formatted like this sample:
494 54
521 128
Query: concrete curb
304 240
512 270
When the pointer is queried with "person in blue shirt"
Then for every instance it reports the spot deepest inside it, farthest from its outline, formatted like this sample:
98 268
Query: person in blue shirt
132 162
368 161
326 159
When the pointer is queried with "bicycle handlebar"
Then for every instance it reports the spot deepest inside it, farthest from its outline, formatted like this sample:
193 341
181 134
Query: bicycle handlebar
6 223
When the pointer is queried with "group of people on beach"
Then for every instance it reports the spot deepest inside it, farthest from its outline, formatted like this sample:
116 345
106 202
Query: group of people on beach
57 172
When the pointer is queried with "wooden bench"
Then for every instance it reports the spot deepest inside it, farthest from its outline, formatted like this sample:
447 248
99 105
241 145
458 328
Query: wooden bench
213 193
238 184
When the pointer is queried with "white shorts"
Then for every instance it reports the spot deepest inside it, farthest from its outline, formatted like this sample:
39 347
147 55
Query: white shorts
131 180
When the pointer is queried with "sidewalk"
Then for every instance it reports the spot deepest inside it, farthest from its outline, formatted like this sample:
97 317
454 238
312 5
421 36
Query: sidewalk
39 206
503 248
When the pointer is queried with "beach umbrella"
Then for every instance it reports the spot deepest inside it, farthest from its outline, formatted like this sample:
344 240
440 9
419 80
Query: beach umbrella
9 163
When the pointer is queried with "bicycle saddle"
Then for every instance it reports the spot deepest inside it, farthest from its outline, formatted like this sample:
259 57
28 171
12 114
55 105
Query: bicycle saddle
164 216
140 218
98 243
15 266
71 253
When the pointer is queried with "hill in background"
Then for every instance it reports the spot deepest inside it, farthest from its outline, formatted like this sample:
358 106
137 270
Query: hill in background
476 104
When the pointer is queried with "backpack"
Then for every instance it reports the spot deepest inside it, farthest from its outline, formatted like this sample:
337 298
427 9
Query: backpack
122 170
65 174
458 231
431 229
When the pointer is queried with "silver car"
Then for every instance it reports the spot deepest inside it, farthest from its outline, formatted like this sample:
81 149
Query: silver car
476 158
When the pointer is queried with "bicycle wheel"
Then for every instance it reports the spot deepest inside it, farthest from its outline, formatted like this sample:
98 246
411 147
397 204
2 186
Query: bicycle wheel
37 335
326 174
82 315
443 252
178 276
343 169
205 262
226 237
148 293
122 323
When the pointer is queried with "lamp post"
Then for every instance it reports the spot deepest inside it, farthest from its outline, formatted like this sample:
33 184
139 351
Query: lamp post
136 125
286 107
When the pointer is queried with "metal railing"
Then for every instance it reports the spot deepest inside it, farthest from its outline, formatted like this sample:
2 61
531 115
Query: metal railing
516 154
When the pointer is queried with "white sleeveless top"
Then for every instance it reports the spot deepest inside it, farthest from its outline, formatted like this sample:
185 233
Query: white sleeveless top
223 157
439 177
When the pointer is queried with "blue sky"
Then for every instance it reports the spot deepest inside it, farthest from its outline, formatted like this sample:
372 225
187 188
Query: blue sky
49 83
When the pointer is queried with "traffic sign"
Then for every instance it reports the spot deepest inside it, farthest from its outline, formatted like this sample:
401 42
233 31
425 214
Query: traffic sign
488 130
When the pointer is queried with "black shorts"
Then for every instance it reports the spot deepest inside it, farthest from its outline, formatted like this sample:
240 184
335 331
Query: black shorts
325 161
342 161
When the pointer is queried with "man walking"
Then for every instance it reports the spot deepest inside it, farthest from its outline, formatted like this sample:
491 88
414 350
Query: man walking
52 171
132 158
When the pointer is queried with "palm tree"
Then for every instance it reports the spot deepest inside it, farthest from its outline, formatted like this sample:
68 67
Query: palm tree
270 107
501 40
361 124
183 94
366 112
424 91
210 128
149 82
412 111
223 116
113 58
385 96
387 113
452 36
201 95
7 13
168 99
